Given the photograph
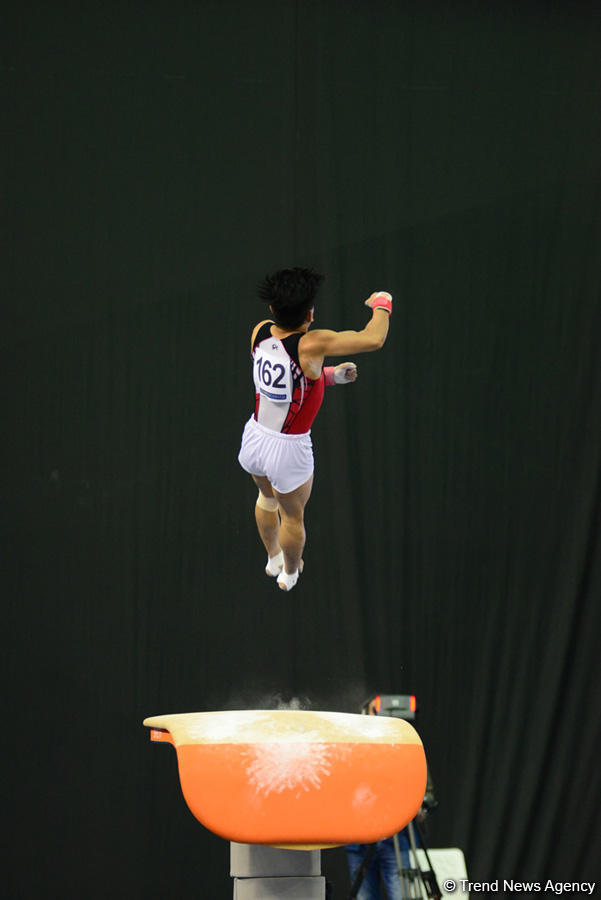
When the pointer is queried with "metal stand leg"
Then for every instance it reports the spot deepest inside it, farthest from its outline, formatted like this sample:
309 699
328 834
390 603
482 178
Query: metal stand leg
415 887
403 874
268 873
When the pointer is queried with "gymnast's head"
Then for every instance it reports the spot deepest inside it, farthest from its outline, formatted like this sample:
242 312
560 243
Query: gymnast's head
291 295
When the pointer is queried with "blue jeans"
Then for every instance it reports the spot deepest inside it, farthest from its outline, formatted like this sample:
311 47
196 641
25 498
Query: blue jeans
382 865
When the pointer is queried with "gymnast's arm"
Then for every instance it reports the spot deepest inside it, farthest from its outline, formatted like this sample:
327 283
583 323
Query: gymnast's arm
321 342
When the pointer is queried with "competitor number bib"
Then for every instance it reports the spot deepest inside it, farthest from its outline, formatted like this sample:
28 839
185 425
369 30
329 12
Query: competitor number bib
271 372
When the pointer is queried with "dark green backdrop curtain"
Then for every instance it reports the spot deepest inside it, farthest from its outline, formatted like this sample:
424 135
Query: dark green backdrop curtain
160 159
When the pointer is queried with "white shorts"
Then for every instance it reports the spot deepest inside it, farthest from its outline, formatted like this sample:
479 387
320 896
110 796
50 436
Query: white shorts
286 459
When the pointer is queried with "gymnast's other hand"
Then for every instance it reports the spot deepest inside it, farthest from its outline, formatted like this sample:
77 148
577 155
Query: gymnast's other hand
345 373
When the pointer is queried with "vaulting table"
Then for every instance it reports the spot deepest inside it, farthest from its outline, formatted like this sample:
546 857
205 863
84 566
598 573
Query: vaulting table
294 780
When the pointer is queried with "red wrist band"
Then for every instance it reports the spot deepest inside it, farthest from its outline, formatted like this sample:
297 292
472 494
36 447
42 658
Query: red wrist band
382 303
328 373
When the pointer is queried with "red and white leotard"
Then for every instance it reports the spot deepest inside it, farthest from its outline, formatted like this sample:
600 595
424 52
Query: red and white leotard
285 399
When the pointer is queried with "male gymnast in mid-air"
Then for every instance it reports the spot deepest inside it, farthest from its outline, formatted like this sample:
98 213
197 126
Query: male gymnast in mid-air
290 377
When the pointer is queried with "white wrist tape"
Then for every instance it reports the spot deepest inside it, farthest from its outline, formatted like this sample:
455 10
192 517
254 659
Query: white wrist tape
341 372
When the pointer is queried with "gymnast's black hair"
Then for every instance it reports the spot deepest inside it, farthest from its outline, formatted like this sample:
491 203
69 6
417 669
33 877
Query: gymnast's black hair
291 294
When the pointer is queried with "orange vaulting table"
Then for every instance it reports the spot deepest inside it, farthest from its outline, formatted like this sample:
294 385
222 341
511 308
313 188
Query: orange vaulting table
294 778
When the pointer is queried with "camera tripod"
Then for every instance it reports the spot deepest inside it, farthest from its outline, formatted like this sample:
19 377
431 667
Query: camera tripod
414 881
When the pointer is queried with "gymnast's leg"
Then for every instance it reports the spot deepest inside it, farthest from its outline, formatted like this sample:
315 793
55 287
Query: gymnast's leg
268 524
292 532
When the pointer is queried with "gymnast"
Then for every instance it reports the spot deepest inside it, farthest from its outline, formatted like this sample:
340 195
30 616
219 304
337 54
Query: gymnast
289 377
